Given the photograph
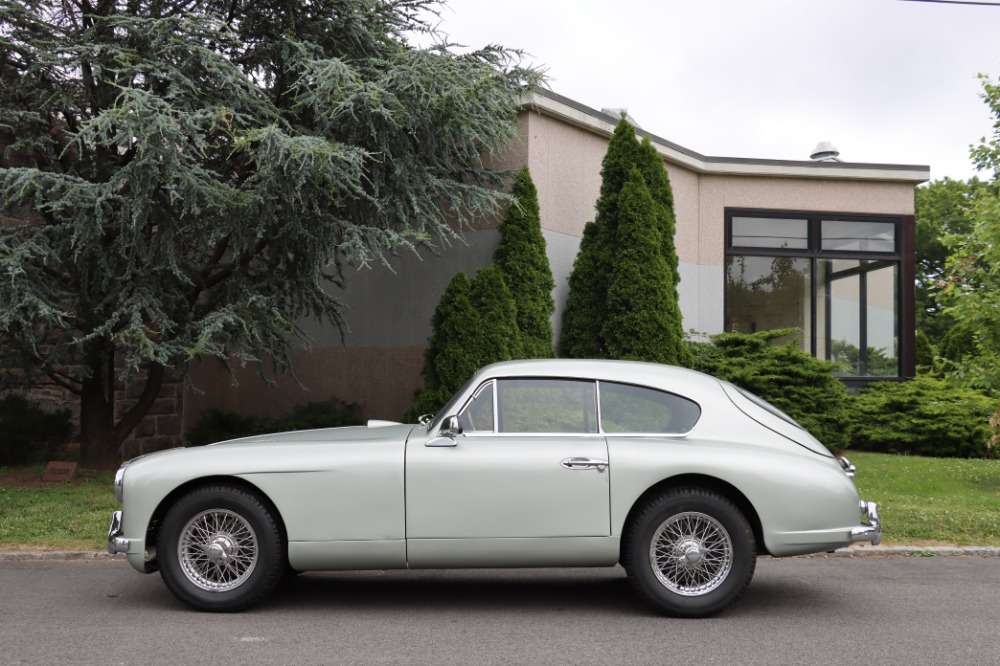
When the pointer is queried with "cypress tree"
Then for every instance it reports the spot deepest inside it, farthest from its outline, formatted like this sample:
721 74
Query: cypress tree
498 337
474 324
585 302
615 278
586 306
651 166
641 302
450 357
521 258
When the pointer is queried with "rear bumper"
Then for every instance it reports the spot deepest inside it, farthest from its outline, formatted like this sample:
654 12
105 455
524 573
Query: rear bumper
871 527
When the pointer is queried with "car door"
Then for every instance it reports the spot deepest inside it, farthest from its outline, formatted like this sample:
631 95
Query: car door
529 463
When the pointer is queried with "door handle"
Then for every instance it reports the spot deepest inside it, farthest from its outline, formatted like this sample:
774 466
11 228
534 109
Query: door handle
585 463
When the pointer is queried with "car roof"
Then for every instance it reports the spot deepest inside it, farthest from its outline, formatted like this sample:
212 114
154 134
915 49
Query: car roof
666 377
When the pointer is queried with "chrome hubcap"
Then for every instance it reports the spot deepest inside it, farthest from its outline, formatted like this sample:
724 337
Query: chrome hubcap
691 554
217 550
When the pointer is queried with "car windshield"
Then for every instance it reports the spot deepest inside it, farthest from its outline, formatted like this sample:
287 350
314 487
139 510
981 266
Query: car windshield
452 407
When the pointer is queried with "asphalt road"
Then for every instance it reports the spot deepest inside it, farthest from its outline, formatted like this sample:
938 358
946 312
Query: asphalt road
892 610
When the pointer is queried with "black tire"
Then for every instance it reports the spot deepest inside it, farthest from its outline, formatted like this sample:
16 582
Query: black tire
689 552
220 549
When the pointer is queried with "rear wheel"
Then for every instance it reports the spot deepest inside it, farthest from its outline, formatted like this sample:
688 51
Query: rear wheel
690 552
221 549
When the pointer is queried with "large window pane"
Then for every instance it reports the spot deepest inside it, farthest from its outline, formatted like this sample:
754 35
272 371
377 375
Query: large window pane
851 236
770 232
857 317
547 405
766 293
881 307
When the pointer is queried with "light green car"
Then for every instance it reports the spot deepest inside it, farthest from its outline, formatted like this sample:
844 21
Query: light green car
681 478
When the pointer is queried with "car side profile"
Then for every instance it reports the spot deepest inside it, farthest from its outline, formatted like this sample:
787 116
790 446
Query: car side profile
681 478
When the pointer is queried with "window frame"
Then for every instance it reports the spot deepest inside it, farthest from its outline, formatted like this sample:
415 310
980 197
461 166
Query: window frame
903 256
496 432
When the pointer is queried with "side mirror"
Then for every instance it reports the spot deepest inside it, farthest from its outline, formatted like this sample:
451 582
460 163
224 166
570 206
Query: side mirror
449 431
451 427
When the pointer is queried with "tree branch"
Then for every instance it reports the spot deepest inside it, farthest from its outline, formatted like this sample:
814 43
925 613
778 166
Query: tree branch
131 418
66 382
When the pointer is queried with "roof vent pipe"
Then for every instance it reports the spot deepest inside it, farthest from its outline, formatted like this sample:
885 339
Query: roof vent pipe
825 152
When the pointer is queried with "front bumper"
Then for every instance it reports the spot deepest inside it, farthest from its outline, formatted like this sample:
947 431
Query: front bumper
116 542
871 527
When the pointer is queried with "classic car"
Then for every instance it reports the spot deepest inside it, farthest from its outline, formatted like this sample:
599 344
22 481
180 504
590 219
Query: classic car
681 478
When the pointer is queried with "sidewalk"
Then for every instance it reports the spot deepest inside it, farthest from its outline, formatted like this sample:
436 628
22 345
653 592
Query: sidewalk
853 551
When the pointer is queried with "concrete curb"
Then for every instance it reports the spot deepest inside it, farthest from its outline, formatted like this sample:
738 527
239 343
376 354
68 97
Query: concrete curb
854 551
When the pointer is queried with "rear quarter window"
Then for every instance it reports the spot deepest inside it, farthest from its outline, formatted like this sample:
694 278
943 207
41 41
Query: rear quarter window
636 409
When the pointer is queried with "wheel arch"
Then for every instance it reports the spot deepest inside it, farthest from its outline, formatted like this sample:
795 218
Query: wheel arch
156 519
703 482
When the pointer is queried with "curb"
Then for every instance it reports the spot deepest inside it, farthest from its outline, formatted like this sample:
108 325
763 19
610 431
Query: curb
914 551
854 551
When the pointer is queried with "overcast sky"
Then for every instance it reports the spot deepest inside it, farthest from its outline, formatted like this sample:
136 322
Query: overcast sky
885 81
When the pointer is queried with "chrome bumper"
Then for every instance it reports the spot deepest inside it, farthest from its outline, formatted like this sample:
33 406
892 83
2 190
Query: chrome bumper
871 528
116 542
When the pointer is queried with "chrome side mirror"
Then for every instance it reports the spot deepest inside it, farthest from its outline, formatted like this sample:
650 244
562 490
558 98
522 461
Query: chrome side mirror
449 431
451 427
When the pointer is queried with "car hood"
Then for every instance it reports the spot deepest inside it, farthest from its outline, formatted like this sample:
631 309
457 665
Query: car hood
374 431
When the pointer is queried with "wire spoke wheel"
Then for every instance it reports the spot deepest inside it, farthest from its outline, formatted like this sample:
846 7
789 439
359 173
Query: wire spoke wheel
691 554
217 550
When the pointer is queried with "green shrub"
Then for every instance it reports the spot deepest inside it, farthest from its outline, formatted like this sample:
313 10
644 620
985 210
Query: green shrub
217 425
29 434
924 416
793 381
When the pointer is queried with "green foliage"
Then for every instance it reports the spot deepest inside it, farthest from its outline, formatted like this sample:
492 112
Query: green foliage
793 381
642 312
926 354
924 416
217 425
525 266
631 227
943 208
196 173
29 434
474 324
971 293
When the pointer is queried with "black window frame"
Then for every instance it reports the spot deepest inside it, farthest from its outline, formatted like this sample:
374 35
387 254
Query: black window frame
903 255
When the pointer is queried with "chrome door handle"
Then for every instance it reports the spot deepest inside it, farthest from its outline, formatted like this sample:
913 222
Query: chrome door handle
585 463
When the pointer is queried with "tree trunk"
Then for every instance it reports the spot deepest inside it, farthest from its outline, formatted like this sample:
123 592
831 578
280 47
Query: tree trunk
98 446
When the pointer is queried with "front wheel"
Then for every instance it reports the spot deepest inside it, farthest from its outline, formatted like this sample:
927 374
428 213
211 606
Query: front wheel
221 549
690 552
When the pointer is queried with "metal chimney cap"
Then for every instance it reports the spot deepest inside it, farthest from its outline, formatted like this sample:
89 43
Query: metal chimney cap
824 152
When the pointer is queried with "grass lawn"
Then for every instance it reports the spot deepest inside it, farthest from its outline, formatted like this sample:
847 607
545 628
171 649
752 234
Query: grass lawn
68 515
932 501
922 501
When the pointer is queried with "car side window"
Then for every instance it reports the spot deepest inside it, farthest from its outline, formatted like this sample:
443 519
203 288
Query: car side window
627 408
478 416
547 405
